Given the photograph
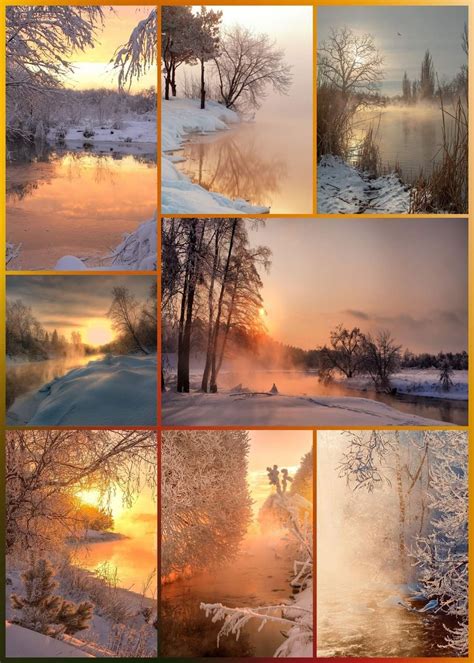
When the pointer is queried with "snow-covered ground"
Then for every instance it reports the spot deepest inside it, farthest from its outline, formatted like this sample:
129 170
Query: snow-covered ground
106 637
179 119
419 382
342 189
267 409
137 251
114 391
126 132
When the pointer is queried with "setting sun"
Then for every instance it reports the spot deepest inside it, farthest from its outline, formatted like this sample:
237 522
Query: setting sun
89 496
98 333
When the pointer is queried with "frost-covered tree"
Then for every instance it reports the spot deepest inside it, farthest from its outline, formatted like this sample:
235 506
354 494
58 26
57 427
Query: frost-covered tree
126 314
441 555
381 358
134 58
40 41
45 470
205 501
178 24
247 65
205 42
44 612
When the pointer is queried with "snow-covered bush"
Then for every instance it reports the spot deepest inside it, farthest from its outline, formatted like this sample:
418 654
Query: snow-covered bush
441 556
44 612
205 499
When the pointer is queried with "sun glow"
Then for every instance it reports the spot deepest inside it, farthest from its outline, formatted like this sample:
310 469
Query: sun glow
98 333
89 496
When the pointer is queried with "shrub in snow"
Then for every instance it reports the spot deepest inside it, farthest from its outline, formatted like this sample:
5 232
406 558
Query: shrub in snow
88 132
205 498
60 133
44 612
445 376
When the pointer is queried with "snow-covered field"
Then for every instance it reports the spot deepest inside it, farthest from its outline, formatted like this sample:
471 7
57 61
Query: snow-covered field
420 382
342 189
179 119
116 391
250 409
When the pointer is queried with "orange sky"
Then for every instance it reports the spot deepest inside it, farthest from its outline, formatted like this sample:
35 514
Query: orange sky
92 67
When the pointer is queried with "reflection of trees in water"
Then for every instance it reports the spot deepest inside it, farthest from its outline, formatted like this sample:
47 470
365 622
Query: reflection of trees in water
235 167
23 181
185 631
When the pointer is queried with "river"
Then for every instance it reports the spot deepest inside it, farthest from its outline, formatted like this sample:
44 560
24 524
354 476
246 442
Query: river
63 201
410 136
259 576
28 377
301 383
267 162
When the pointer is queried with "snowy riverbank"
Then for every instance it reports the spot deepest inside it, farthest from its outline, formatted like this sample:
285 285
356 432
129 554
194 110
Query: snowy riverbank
126 132
114 391
121 624
268 409
418 382
342 189
179 119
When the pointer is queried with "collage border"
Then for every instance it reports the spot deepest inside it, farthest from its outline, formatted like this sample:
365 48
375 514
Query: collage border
159 427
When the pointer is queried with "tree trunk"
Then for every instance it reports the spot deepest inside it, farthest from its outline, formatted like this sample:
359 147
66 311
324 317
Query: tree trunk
207 367
213 385
401 508
203 87
173 80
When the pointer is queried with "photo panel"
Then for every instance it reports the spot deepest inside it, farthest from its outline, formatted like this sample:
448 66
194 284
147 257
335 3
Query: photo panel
236 544
81 350
392 543
392 107
321 322
237 109
81 127
81 543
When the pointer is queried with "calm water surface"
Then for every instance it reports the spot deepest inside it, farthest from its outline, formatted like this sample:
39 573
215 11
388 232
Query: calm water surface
75 202
259 576
267 162
409 136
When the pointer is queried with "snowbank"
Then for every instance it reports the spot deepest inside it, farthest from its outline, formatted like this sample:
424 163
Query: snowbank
22 643
342 189
250 409
419 382
114 391
136 251
179 118
126 132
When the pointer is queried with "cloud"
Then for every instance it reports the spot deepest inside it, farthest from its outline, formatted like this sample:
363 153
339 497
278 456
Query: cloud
360 315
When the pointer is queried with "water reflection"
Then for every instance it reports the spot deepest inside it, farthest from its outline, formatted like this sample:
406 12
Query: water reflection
75 202
408 136
266 164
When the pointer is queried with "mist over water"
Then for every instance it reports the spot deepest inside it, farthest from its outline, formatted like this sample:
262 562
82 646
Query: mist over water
360 577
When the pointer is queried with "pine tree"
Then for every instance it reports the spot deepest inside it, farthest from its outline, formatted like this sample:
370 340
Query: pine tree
44 612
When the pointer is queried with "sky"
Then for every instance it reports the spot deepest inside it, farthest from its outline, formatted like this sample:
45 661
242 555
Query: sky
405 275
92 68
73 303
284 448
402 35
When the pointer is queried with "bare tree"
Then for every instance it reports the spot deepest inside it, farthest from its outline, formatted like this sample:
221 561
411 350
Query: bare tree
346 353
350 62
125 313
382 358
247 65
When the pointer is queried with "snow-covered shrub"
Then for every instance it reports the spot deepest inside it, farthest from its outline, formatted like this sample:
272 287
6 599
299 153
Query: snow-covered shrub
60 133
44 612
129 642
205 498
441 556
88 132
